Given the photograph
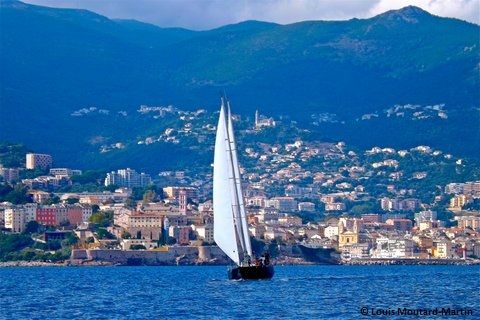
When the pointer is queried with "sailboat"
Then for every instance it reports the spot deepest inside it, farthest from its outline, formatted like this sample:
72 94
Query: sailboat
230 229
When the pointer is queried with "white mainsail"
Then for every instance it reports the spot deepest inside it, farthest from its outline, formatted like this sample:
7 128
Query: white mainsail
230 223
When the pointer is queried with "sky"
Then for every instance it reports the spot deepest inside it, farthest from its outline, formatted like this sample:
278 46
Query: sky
208 14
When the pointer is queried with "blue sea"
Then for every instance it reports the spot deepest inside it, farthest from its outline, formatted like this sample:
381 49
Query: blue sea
296 292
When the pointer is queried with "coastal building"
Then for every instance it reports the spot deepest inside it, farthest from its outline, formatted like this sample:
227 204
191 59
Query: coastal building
15 219
391 248
426 215
306 206
283 204
263 122
287 220
141 225
472 222
39 196
204 232
128 178
173 192
443 249
54 215
180 233
30 212
48 183
38 161
458 201
64 172
335 206
9 175
402 225
331 231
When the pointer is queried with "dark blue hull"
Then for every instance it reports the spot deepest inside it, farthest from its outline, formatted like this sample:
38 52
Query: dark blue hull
251 273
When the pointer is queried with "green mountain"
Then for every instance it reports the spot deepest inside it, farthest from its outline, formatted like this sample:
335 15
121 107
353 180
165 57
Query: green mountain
56 61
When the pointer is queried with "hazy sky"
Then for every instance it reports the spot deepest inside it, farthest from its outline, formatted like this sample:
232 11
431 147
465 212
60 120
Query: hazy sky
207 14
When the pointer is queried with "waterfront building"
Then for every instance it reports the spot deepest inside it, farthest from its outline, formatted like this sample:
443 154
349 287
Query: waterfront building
443 249
38 161
393 248
142 225
204 232
180 233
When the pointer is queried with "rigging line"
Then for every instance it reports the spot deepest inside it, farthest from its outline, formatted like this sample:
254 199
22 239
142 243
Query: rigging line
238 180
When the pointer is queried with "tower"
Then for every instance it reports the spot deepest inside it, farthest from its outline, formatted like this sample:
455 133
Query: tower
257 117
182 200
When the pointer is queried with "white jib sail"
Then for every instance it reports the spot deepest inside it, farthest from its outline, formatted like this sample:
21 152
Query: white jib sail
224 231
238 185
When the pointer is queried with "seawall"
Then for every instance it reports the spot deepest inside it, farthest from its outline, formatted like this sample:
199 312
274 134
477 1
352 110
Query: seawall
181 255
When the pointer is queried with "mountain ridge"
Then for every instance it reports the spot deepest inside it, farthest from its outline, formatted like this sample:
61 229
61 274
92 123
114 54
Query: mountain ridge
56 63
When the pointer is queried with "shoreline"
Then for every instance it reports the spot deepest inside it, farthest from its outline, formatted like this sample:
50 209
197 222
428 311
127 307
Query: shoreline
363 262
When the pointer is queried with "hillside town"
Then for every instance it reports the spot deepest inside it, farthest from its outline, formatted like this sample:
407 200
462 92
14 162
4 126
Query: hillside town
379 205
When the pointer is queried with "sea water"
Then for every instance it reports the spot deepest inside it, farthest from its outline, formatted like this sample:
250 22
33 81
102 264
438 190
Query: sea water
295 292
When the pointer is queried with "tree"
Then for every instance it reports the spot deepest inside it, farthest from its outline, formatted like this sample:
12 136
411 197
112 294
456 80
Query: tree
72 200
15 195
102 233
52 200
149 196
126 235
171 241
32 227
138 247
102 218
70 240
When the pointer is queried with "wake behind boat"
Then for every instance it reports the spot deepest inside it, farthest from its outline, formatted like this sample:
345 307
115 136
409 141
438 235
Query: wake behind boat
230 221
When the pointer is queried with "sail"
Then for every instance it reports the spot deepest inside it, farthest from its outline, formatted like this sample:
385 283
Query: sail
238 186
224 231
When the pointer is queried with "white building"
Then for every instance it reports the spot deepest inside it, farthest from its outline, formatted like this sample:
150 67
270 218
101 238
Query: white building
306 206
128 178
331 231
204 232
37 160
393 248
15 219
